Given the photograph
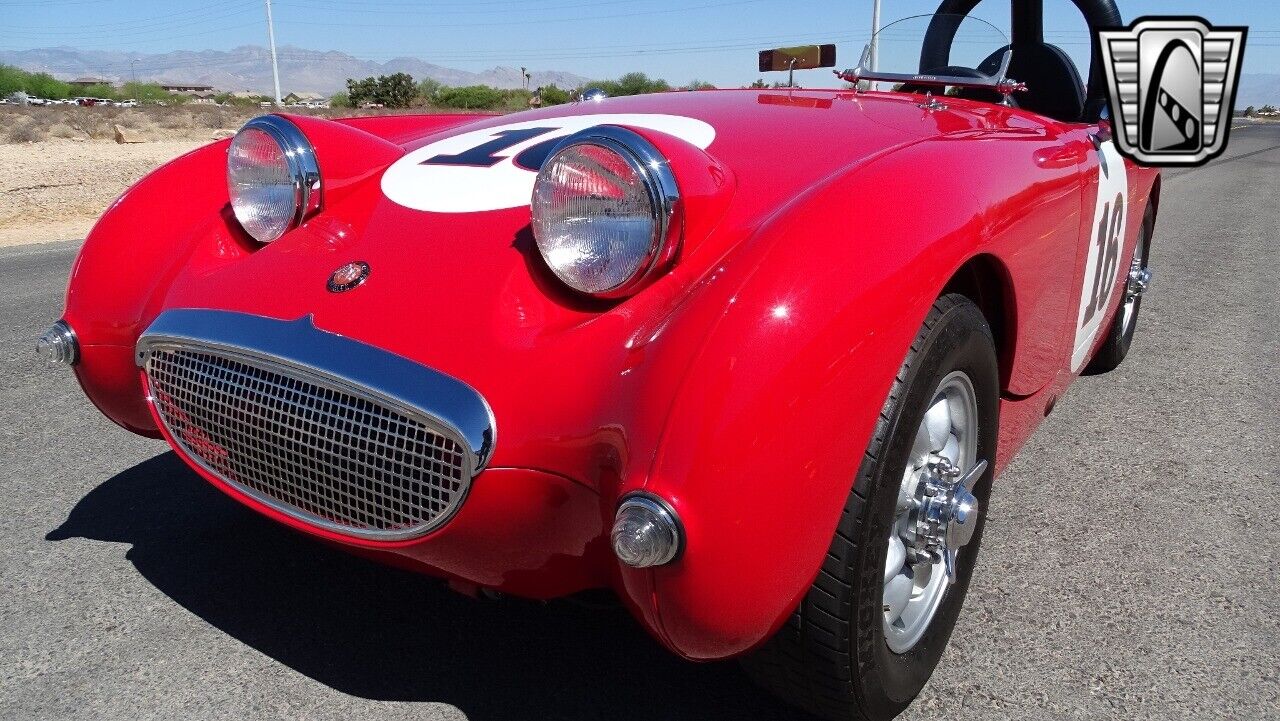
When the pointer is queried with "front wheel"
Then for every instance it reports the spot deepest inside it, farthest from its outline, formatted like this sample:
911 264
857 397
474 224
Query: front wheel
870 631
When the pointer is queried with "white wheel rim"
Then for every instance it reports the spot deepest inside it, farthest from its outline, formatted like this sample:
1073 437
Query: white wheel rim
913 590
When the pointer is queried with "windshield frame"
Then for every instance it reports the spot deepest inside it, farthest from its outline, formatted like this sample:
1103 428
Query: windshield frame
998 82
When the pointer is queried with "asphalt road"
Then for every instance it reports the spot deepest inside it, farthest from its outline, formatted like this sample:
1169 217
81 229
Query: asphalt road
1129 569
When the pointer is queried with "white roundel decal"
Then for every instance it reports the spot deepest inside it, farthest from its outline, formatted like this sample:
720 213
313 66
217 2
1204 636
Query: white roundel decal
494 168
1103 266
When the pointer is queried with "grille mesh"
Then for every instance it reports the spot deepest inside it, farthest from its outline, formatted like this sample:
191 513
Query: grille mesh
322 454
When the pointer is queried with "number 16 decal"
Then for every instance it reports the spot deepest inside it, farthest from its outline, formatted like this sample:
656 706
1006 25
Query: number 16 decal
1109 240
1102 262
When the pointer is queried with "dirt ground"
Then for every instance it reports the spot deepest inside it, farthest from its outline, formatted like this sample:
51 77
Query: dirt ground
60 167
56 189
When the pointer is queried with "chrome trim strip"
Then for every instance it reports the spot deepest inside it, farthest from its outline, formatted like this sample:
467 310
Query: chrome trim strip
300 349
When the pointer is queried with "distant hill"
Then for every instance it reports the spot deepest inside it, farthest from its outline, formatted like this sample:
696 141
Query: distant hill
249 68
1258 90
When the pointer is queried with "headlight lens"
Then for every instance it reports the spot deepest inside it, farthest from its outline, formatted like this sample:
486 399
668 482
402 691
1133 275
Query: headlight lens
605 211
272 177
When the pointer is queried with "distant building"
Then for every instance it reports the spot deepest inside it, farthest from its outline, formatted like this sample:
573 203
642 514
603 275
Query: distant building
88 81
304 98
176 89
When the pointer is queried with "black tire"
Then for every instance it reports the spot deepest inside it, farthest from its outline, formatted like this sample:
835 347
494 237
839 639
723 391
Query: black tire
830 658
1119 338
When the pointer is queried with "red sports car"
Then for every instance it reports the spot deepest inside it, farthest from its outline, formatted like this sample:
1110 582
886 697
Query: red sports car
749 358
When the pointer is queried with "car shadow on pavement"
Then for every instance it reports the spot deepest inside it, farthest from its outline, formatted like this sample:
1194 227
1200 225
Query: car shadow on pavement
386 634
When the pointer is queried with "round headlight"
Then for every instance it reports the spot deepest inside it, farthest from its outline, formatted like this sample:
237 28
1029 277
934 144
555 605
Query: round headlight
605 211
272 176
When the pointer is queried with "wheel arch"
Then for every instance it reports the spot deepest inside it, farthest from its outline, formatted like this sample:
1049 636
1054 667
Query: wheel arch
986 281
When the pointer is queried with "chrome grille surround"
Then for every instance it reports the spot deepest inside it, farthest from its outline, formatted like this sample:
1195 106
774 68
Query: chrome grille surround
309 423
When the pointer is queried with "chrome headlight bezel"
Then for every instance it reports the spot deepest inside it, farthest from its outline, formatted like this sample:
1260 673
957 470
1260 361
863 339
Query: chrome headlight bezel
302 166
659 181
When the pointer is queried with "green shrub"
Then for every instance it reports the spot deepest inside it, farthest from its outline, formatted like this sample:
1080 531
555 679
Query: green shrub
471 97
392 91
150 93
40 85
551 95
99 91
631 84
428 88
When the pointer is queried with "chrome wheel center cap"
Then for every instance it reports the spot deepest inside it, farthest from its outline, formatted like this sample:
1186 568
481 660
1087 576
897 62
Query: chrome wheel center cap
1139 281
947 512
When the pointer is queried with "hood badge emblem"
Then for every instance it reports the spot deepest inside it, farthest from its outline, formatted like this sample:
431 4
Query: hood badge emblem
348 276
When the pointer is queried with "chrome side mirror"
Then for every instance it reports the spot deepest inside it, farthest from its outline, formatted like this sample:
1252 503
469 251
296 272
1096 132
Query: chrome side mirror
594 95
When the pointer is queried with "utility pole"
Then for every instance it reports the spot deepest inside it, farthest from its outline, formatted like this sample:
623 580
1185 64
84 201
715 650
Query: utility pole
875 41
133 65
275 66
875 30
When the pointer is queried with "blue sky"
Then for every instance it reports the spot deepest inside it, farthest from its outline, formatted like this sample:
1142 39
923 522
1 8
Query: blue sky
713 40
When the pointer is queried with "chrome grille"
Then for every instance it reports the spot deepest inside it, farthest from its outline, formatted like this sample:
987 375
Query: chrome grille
308 445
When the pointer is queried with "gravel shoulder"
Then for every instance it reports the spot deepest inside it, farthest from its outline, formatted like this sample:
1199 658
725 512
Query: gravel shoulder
56 189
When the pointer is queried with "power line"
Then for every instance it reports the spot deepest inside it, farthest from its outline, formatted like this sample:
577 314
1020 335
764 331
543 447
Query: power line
345 7
210 31
191 13
157 65
589 52
579 19
137 31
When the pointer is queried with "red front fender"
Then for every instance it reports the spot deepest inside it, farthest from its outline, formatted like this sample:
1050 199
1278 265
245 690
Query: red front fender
771 422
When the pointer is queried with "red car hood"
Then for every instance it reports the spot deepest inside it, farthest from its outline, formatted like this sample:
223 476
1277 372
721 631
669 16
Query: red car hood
784 139
467 293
